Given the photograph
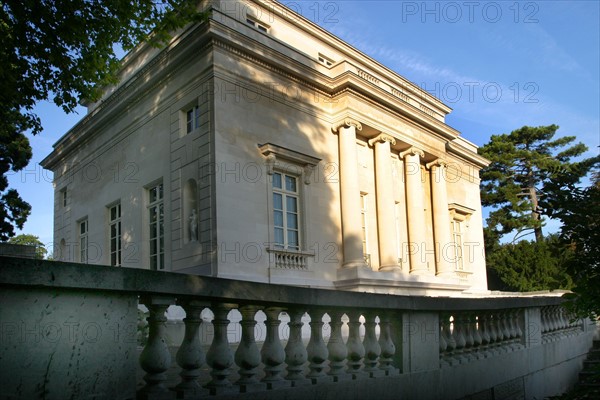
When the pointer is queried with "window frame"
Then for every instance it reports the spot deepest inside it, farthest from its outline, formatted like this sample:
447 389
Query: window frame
192 118
364 226
156 208
285 211
459 218
289 162
115 246
83 230
258 25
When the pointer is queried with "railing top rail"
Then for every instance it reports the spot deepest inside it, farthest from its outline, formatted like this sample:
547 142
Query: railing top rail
52 274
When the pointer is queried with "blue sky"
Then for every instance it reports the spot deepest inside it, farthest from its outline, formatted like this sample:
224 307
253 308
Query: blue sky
499 65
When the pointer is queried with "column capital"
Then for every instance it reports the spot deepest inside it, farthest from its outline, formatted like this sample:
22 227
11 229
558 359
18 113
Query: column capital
413 151
382 137
436 163
346 123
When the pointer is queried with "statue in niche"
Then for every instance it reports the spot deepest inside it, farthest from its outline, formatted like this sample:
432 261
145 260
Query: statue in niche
193 226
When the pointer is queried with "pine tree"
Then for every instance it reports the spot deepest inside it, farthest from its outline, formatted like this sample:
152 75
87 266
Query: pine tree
528 166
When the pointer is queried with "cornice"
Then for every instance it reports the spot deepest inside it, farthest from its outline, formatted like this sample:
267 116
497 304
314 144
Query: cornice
467 155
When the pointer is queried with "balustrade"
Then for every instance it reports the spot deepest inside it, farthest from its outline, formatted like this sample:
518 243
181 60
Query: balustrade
464 337
308 341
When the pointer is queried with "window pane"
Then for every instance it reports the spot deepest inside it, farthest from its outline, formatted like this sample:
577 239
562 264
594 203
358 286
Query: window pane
277 201
291 204
292 239
290 183
279 236
292 221
277 180
278 218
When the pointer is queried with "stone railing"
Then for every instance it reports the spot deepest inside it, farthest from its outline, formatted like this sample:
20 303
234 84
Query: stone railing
69 327
290 259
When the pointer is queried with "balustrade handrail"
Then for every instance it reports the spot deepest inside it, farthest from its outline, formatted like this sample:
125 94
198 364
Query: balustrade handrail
364 330
145 282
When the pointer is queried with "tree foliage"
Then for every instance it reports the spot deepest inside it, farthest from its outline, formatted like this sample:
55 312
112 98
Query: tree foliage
30 240
527 166
63 50
579 211
529 265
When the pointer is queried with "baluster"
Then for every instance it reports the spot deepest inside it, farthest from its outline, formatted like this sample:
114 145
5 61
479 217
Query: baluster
372 347
517 325
493 330
247 355
190 356
316 349
219 356
388 349
445 349
505 329
544 322
465 321
155 359
443 342
475 330
337 348
459 337
295 353
356 350
272 351
553 321
485 334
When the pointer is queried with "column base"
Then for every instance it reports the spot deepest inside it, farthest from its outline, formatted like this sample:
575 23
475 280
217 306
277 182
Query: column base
390 268
396 282
355 264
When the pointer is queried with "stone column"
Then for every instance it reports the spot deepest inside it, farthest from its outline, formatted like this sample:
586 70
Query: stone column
350 194
386 227
414 209
441 220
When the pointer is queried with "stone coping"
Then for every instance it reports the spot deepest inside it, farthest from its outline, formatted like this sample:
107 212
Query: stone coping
20 272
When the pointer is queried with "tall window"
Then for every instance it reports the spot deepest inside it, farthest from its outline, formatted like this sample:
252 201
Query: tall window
115 234
286 211
83 241
398 235
192 119
157 228
363 226
63 195
458 244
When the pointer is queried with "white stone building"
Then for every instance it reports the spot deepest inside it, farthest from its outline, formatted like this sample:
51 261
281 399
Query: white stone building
259 146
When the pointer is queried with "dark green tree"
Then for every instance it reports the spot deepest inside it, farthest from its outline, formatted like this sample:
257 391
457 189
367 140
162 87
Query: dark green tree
579 211
527 166
529 265
30 240
63 50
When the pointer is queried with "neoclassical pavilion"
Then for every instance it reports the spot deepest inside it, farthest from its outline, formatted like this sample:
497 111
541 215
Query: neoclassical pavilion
259 146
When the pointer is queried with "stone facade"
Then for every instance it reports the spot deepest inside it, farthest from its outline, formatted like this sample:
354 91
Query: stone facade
258 146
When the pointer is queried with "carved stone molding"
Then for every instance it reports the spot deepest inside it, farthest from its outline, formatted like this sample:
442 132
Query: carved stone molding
346 123
438 162
383 137
412 151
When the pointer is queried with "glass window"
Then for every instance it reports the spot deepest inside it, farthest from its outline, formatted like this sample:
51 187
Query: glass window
458 244
156 227
115 234
83 241
192 119
286 211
